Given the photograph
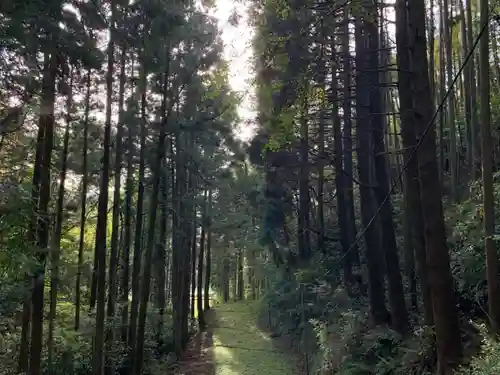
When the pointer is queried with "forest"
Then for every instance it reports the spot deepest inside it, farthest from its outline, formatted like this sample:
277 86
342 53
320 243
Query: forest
355 233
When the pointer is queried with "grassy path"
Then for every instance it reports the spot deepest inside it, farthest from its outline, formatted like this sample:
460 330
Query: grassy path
233 345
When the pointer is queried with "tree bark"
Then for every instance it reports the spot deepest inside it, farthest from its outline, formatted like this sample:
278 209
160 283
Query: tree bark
448 341
83 212
488 188
376 292
46 127
413 205
56 250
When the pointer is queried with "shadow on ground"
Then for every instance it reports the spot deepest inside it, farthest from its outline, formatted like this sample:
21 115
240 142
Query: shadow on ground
199 356
241 348
234 345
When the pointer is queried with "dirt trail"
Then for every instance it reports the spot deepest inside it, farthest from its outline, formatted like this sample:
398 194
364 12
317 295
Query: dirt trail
233 345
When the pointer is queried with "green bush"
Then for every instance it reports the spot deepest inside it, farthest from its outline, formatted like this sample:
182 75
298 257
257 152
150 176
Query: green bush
487 362
466 239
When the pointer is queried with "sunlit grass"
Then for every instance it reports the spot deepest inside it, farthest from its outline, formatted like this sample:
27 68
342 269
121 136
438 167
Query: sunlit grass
240 348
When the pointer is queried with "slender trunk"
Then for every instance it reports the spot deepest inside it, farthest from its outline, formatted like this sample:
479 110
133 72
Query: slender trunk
303 229
187 228
452 155
150 244
102 212
46 127
208 268
225 280
160 257
471 66
409 254
201 257
193 265
376 292
466 90
442 90
431 32
234 268
395 284
127 235
347 144
448 340
488 189
139 221
340 183
83 212
115 221
241 280
180 258
23 362
55 254
322 157
413 207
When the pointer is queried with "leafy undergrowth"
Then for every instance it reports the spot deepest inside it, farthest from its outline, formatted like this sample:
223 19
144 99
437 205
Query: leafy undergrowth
487 361
241 348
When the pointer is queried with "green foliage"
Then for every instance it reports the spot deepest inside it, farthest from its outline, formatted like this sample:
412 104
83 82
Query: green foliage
467 243
487 362
348 345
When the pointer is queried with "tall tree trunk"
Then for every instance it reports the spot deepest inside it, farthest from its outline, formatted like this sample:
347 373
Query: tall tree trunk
208 268
225 280
102 211
347 143
488 197
55 253
170 254
234 271
139 220
395 284
322 156
340 185
23 361
466 90
303 229
449 346
193 264
153 208
115 223
471 66
241 279
376 292
201 257
442 90
46 127
127 235
432 70
160 256
83 213
179 264
413 207
452 155
187 228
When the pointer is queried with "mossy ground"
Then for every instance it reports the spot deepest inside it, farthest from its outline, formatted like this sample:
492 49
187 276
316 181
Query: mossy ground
241 348
233 345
